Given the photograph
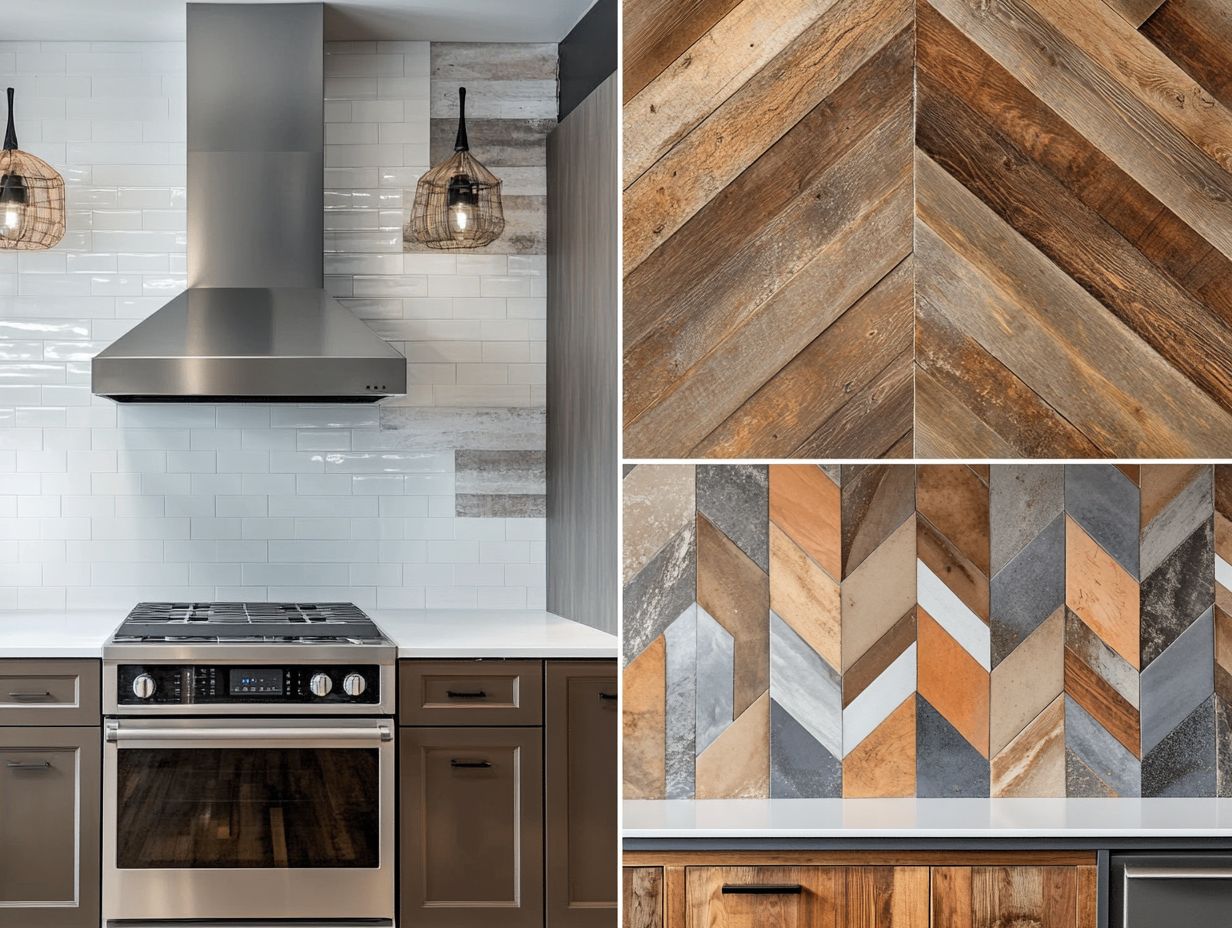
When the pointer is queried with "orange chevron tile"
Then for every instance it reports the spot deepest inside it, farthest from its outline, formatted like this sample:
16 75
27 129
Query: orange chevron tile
883 765
952 681
806 504
1101 593
643 713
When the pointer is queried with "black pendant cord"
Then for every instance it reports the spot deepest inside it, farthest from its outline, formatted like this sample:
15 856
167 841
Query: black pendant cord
460 143
10 135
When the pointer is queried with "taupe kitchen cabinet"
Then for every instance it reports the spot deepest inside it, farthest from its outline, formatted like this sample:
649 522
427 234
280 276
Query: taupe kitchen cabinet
482 743
869 889
50 794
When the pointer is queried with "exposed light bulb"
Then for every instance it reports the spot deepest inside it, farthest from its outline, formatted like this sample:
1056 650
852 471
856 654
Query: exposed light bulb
461 217
13 215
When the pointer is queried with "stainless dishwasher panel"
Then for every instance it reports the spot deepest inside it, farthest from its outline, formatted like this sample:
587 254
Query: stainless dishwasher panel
1171 890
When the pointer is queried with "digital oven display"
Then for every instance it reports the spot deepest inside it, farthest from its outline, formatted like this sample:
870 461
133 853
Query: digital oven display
246 681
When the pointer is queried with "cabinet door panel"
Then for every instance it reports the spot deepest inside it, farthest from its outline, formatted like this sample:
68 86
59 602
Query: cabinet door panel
643 897
49 827
884 897
472 827
581 791
47 692
1025 897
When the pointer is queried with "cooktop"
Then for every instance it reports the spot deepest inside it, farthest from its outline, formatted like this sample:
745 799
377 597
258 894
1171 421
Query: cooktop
286 623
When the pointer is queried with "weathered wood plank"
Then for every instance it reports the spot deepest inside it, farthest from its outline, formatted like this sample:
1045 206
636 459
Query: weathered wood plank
657 32
868 241
875 422
1135 12
684 179
1076 239
1197 36
773 183
947 428
1130 132
799 245
1003 293
709 72
825 376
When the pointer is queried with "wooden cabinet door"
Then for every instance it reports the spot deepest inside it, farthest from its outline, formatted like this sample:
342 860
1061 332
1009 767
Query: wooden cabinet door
643 897
50 804
580 784
1022 897
472 827
807 897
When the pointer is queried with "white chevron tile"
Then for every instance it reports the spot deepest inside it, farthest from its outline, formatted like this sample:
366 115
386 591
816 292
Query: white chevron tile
952 614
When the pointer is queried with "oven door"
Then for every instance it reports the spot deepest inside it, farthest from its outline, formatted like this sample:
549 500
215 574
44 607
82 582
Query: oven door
244 818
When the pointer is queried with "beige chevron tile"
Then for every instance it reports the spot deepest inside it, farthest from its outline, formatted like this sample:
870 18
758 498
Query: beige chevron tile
737 763
804 596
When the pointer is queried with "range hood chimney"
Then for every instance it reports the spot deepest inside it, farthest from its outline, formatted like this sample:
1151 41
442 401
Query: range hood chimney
255 323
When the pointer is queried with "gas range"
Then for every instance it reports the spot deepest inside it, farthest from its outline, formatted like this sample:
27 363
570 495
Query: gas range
248 659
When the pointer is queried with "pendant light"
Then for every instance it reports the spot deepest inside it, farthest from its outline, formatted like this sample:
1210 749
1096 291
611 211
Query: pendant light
31 197
457 203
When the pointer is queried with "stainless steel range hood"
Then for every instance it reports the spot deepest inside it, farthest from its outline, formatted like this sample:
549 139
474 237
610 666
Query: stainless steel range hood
255 323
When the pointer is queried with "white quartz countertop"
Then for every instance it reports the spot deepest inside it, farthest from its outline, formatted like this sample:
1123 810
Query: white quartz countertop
443 633
928 818
492 633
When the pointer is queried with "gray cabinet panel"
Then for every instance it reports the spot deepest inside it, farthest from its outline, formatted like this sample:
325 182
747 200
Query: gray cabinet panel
49 692
472 837
478 692
49 827
580 772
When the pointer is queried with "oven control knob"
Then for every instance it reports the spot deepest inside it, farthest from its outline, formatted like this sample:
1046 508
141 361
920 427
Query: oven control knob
143 686
354 684
320 684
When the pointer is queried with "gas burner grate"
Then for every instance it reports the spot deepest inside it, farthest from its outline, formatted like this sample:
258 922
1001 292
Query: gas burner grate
238 621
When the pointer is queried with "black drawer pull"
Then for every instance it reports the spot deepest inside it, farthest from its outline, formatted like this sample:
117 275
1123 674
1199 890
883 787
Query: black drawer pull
29 765
29 697
762 889
469 764
606 696
466 694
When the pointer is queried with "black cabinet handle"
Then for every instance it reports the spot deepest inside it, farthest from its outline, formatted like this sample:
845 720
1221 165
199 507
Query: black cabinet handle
466 694
29 697
762 889
603 697
29 765
469 764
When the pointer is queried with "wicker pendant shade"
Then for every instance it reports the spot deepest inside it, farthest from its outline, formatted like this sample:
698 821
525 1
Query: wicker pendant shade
31 197
458 202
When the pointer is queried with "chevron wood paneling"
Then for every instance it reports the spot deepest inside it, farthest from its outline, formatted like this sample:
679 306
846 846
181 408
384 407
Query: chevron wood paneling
767 228
1074 228
933 630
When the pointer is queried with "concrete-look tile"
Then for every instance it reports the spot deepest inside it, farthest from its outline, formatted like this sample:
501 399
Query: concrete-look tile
878 593
1096 764
806 505
681 712
1104 502
864 714
1180 589
1223 748
1028 590
657 502
737 764
656 596
1160 483
643 713
1101 592
952 681
735 498
800 768
1023 501
1033 764
1192 505
736 592
805 596
716 663
806 686
1183 764
946 765
1178 681
876 500
884 765
1027 681
955 502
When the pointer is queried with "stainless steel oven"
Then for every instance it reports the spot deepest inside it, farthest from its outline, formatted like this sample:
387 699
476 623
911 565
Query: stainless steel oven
248 767
1149 890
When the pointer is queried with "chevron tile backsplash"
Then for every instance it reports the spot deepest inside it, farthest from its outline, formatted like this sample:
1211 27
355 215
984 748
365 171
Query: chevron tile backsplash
928 630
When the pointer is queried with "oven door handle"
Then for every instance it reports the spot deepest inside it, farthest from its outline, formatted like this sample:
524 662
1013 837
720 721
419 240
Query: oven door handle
117 734
1178 873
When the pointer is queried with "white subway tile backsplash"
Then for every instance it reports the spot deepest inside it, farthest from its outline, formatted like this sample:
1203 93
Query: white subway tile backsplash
104 504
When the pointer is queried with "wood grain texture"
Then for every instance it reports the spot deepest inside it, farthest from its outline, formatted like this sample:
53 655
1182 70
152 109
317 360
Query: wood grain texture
767 216
1022 897
1104 150
657 32
883 764
642 895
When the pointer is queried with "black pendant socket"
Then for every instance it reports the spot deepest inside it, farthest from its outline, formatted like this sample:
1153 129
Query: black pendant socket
10 135
460 143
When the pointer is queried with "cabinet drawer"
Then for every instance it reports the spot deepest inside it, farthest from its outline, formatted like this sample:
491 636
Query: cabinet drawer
807 897
45 692
470 693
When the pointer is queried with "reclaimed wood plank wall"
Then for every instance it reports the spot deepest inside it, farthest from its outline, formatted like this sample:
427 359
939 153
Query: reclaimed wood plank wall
1071 259
941 630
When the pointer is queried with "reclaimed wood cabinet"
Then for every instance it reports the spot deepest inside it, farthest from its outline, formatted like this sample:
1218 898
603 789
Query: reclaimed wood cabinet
859 889
50 794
